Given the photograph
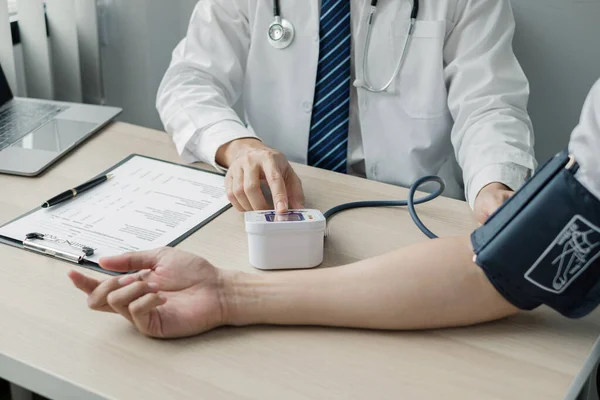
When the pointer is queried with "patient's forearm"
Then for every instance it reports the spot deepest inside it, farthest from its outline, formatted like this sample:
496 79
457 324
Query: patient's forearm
429 285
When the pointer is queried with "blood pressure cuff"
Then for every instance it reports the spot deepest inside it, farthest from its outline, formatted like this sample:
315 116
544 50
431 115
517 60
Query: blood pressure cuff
543 245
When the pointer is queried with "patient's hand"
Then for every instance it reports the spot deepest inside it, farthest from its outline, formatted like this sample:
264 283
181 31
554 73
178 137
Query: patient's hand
176 294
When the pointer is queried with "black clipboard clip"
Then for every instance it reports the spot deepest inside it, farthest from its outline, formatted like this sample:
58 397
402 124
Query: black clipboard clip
42 243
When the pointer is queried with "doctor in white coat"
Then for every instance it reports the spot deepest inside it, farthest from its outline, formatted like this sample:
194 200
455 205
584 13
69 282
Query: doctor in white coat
234 98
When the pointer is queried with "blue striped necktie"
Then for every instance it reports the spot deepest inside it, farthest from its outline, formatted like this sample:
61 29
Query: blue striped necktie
328 140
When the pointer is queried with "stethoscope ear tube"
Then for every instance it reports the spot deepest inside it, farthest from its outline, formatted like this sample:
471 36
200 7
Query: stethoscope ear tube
363 82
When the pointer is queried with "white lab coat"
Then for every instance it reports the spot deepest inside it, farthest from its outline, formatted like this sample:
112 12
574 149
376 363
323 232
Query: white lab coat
585 143
461 95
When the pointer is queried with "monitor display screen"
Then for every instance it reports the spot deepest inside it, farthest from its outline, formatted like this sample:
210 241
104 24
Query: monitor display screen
288 217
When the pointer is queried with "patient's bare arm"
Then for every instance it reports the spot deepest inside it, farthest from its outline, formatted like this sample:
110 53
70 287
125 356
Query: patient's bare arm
429 285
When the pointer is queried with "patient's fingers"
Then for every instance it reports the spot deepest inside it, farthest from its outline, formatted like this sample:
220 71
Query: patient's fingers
83 283
141 313
131 261
97 300
120 299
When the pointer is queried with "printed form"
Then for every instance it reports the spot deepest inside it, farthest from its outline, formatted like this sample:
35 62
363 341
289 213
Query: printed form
146 205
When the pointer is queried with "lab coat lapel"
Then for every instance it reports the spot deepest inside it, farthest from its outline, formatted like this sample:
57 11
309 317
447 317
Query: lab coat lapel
282 82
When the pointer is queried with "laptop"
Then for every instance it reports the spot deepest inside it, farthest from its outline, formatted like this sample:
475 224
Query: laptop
36 133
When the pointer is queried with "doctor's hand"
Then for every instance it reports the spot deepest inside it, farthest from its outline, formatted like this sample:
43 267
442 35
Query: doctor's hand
175 294
250 162
489 199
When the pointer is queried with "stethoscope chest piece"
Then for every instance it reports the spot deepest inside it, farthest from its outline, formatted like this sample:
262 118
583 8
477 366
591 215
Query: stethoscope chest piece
281 33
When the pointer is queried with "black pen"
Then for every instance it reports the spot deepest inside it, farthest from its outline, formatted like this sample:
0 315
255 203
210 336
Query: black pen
72 193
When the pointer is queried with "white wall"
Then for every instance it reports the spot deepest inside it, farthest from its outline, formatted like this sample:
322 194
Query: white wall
558 44
140 37
87 40
137 38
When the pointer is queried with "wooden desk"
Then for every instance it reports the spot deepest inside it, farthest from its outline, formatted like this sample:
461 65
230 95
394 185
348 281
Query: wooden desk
51 343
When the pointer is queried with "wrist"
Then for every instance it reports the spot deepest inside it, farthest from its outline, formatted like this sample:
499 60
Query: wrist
283 298
493 187
241 299
229 152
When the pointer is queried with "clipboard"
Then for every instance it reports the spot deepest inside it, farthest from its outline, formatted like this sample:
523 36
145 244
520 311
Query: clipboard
77 252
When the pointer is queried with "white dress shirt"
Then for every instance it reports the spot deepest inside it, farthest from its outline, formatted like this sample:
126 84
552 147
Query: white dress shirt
457 108
585 143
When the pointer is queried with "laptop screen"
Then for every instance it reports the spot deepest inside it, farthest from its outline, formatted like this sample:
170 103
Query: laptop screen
5 93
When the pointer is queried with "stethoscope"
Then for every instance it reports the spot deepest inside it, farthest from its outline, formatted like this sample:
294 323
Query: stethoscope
281 34
281 31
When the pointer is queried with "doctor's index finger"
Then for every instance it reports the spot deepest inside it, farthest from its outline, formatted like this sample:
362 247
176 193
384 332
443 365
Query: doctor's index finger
275 179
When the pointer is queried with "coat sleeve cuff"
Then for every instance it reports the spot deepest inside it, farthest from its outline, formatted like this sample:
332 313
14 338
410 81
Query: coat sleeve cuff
509 174
217 135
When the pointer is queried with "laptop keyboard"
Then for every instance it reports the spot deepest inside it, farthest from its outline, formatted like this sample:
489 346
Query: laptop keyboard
19 118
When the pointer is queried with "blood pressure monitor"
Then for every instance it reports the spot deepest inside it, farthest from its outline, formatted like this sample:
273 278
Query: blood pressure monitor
294 240
291 240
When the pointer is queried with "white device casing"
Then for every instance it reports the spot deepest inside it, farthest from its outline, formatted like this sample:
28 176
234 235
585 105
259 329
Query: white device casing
285 244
